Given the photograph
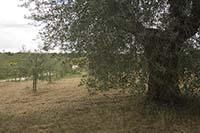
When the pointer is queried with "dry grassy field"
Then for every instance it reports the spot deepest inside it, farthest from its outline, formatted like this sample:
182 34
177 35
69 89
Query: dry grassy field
64 107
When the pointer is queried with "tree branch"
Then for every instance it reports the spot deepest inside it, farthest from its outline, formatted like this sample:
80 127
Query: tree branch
130 26
185 24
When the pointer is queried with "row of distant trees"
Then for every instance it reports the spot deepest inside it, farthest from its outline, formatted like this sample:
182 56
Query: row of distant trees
38 66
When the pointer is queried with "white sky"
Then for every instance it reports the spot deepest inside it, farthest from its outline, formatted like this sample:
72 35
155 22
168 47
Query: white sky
14 28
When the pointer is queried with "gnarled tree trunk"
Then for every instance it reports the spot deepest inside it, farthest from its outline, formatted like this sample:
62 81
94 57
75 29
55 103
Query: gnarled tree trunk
163 74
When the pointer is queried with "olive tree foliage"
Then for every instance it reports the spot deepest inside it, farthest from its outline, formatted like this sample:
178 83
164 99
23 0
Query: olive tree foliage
189 68
128 43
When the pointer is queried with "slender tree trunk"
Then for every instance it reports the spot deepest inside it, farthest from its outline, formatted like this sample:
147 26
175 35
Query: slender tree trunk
163 76
35 79
34 86
15 75
50 75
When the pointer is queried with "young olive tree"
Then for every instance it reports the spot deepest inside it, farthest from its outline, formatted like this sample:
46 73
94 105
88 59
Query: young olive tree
36 64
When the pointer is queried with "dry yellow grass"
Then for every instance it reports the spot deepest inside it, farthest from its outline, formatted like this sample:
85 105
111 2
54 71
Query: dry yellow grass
65 107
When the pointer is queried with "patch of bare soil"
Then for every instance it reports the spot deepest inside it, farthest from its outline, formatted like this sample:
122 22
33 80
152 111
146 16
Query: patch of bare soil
64 107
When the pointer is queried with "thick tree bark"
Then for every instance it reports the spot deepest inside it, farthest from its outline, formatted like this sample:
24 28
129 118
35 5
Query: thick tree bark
163 74
162 46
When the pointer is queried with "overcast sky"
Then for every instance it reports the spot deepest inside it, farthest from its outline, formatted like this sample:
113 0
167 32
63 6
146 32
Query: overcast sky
14 28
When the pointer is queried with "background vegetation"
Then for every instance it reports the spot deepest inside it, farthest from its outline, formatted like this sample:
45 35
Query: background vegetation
22 65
